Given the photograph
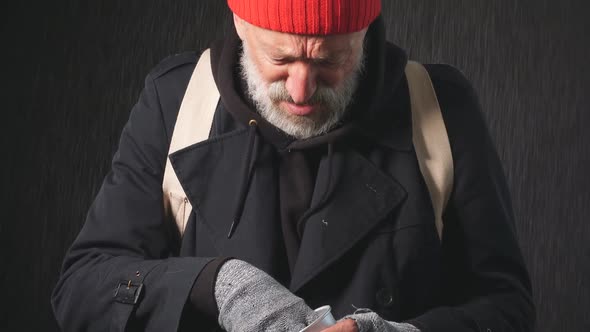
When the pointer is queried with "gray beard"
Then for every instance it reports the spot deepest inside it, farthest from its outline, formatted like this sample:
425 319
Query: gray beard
333 102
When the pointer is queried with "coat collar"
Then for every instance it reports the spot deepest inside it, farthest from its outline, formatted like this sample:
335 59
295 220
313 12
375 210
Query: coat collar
360 196
209 174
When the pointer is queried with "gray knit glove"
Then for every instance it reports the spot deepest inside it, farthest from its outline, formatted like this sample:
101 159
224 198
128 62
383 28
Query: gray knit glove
371 322
248 299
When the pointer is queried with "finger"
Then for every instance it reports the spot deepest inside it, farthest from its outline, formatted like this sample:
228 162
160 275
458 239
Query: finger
346 325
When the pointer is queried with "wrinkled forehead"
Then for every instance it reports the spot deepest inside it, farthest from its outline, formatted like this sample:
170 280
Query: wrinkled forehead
281 44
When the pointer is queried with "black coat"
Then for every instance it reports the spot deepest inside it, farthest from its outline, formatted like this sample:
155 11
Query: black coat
372 245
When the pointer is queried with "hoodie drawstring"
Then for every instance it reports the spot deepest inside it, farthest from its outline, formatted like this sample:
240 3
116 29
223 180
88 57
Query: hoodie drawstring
251 153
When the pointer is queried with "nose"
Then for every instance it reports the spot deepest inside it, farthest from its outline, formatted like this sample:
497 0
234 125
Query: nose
301 83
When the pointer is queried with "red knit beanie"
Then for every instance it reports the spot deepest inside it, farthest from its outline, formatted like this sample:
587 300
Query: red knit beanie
308 17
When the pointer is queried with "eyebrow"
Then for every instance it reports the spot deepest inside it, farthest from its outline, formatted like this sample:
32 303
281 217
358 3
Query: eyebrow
282 54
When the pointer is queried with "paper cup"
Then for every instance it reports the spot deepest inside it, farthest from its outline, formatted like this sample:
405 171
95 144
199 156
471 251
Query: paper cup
323 322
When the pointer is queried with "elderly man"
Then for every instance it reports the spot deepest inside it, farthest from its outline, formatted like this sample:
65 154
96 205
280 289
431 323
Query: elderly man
307 192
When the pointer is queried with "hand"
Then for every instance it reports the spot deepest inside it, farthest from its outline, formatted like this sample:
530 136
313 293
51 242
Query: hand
345 325
248 299
371 322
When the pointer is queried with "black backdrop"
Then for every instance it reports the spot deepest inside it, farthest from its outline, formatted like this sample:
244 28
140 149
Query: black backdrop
73 69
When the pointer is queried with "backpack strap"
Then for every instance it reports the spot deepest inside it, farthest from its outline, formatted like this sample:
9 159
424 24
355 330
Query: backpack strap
193 125
430 139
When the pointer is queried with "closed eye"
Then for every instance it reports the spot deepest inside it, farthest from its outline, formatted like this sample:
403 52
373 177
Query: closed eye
327 63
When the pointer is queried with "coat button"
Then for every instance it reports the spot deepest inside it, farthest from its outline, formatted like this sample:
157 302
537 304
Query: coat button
384 297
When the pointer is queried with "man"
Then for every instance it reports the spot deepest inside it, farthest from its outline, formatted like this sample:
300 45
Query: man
308 192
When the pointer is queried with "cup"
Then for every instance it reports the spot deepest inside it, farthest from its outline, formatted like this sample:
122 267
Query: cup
324 321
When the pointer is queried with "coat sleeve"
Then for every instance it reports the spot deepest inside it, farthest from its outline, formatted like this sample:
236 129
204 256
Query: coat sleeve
485 282
120 270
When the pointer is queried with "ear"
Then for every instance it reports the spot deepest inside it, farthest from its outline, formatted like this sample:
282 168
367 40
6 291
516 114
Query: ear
240 27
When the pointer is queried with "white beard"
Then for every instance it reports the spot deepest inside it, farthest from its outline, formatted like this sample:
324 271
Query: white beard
267 97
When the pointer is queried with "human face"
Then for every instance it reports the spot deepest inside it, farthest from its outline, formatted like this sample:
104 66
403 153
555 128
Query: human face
300 84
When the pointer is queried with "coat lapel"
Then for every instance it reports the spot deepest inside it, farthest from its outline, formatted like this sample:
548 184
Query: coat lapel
210 175
361 196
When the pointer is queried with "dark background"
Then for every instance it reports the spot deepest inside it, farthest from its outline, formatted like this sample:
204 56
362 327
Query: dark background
71 71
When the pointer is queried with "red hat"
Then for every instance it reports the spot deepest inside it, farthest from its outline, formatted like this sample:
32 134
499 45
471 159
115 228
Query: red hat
308 17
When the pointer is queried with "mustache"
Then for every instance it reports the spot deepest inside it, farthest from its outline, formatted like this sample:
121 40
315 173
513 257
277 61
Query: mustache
323 96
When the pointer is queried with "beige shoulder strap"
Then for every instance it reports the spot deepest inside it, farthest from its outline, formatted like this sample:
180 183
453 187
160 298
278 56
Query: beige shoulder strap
430 140
192 126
